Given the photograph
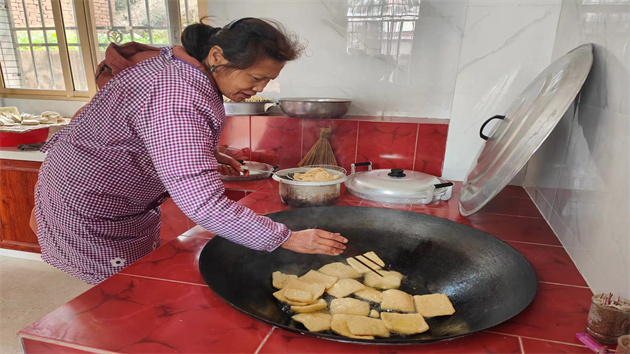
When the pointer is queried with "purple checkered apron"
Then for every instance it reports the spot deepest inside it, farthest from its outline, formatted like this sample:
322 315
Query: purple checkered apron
152 129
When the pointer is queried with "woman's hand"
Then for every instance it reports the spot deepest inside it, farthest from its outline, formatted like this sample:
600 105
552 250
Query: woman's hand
315 241
229 166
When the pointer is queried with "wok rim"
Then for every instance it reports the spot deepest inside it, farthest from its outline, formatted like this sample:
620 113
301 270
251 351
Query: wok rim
409 340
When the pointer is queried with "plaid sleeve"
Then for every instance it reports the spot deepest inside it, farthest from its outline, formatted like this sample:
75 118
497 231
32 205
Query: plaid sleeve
180 130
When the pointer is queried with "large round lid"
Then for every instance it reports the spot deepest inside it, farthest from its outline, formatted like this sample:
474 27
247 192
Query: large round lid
395 186
524 127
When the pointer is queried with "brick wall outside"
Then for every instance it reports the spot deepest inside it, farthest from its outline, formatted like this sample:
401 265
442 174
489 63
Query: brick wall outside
19 14
101 14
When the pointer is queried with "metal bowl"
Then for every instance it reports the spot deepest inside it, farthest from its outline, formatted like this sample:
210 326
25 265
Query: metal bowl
316 108
246 108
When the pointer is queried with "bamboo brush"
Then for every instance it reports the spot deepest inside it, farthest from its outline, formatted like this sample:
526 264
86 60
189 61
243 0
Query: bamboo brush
321 153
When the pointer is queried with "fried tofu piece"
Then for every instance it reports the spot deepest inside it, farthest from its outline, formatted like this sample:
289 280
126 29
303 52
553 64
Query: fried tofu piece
433 305
404 323
316 290
298 295
314 322
345 287
365 326
369 258
397 300
316 306
375 314
369 294
389 280
339 326
340 271
349 306
280 296
279 279
315 277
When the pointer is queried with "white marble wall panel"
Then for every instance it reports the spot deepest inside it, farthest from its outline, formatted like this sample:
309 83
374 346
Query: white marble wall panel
545 173
506 45
592 191
607 25
420 84
543 205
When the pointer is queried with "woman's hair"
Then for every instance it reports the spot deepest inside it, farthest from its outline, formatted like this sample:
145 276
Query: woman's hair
243 42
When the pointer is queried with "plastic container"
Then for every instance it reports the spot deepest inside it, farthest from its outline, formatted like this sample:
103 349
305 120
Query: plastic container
623 345
608 318
9 139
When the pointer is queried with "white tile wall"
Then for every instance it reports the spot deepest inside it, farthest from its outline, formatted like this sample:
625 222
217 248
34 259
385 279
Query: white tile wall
582 169
489 49
506 44
421 85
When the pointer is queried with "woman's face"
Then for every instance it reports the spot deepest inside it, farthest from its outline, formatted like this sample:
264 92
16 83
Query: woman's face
240 84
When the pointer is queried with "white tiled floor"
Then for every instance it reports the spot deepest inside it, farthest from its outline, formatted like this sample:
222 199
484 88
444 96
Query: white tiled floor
29 289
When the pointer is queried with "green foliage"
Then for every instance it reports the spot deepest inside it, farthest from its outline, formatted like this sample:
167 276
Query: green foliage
37 37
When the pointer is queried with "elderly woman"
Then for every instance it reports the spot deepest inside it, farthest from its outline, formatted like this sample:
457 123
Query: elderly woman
151 132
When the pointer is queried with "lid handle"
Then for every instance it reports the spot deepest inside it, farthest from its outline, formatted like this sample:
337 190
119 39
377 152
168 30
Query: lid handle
367 163
397 172
484 137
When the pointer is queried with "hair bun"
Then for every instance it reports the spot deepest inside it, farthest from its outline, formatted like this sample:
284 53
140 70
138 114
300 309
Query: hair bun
212 31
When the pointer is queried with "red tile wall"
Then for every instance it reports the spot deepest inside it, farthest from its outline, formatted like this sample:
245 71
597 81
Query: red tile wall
284 141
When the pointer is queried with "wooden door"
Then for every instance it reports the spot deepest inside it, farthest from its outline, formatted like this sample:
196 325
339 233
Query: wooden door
17 189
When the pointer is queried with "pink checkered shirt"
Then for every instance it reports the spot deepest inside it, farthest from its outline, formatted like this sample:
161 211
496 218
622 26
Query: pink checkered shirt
152 129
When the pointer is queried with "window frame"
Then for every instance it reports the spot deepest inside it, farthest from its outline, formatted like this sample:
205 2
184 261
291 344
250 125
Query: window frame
86 30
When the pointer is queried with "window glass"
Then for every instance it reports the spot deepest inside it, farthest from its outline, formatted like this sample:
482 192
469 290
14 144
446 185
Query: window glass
189 12
30 55
146 21
75 53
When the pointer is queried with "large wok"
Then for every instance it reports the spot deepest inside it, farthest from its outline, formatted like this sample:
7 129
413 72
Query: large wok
487 281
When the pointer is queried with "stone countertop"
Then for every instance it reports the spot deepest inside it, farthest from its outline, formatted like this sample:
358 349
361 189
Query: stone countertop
13 153
161 304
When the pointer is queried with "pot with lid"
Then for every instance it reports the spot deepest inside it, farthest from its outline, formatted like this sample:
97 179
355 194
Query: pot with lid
397 186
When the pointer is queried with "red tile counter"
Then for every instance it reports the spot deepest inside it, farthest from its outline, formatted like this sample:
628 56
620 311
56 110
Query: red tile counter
160 304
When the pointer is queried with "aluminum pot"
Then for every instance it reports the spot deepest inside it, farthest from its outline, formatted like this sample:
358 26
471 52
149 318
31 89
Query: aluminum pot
313 107
309 194
397 186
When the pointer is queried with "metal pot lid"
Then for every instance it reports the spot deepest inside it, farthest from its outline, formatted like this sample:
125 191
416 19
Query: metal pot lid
524 127
392 185
257 166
